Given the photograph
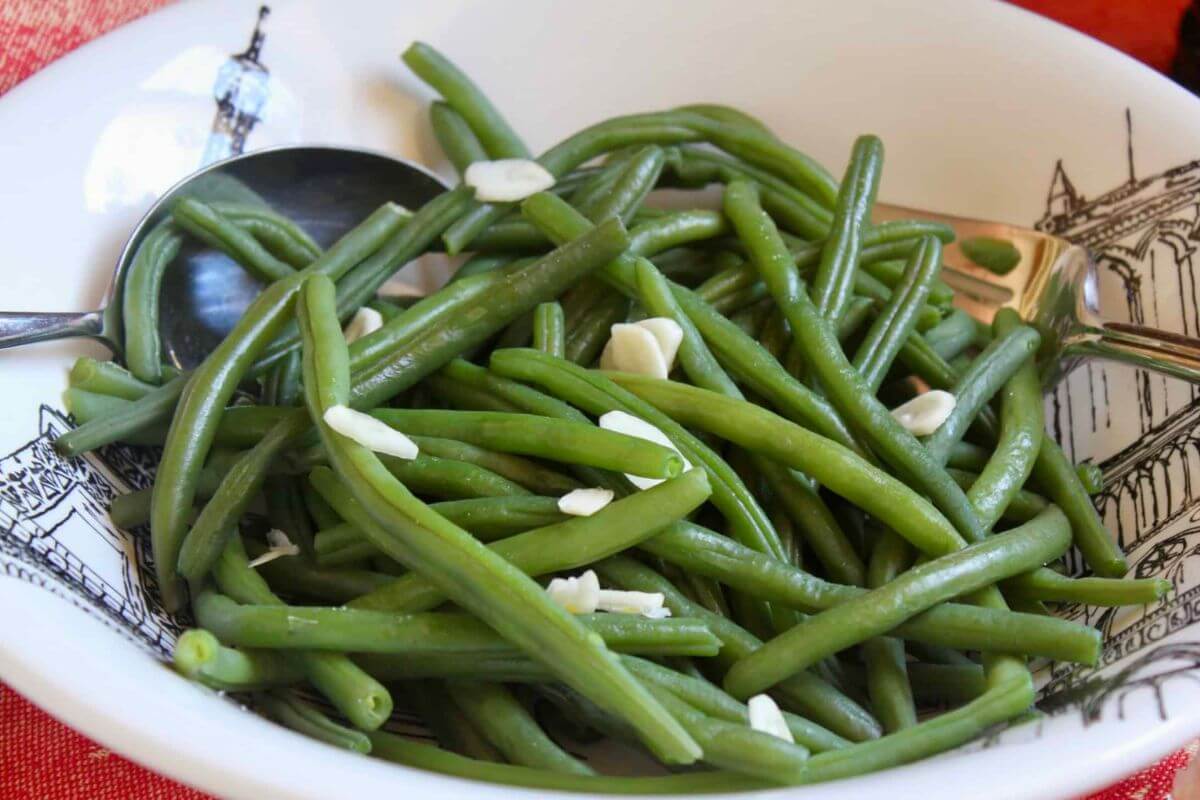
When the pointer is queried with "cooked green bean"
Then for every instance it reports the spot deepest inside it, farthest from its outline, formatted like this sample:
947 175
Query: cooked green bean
1021 432
358 696
1046 584
214 229
439 636
586 338
455 137
1091 477
528 474
446 721
299 577
1057 478
461 94
292 712
989 372
885 263
512 729
564 545
531 435
199 656
548 329
139 301
887 665
953 335
475 578
1022 506
281 236
106 377
636 180
450 479
839 257
880 610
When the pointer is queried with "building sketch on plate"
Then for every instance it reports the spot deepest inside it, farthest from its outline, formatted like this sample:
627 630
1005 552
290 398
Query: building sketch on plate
1143 237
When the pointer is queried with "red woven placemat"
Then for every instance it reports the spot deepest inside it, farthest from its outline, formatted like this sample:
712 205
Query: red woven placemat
41 759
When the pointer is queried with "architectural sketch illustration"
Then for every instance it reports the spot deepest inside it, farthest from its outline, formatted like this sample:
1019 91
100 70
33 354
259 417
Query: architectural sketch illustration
241 90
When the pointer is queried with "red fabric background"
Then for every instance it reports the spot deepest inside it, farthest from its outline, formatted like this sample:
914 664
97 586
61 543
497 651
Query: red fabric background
41 759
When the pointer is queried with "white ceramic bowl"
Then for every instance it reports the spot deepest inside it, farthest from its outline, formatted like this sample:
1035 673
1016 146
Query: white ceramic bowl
977 103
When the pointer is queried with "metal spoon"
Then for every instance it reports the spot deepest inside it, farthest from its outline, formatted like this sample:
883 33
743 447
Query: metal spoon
1056 287
325 190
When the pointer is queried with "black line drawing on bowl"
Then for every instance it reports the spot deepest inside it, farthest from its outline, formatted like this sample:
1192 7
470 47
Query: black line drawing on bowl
241 90
55 532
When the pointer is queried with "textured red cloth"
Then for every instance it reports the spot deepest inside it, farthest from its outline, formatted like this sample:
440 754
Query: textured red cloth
41 759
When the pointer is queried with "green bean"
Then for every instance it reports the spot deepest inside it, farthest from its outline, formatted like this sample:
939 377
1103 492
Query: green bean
214 229
998 256
481 263
203 543
281 236
564 545
139 301
729 115
898 319
200 657
809 695
449 479
989 372
817 336
880 610
877 261
953 335
839 257
460 93
284 498
598 395
711 700
676 229
514 732
737 747
209 387
596 187
967 456
548 332
291 712
1021 432
423 756
740 354
465 398
1046 584
106 377
830 464
1058 479
637 178
816 523
887 668
434 636
358 696
1009 692
523 472
91 410
1022 507
531 435
1091 477
455 137
475 578
322 513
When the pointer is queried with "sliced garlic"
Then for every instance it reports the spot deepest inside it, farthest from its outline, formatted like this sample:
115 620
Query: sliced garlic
370 432
648 604
280 546
667 333
636 350
578 595
621 422
766 717
584 502
926 412
365 320
507 180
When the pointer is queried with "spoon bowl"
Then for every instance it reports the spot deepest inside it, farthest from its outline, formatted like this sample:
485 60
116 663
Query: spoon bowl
324 190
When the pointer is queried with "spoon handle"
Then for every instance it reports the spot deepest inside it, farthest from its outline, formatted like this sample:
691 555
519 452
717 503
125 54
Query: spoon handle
25 327
1140 346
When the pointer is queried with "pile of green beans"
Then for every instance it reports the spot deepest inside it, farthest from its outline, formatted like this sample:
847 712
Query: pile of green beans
805 544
